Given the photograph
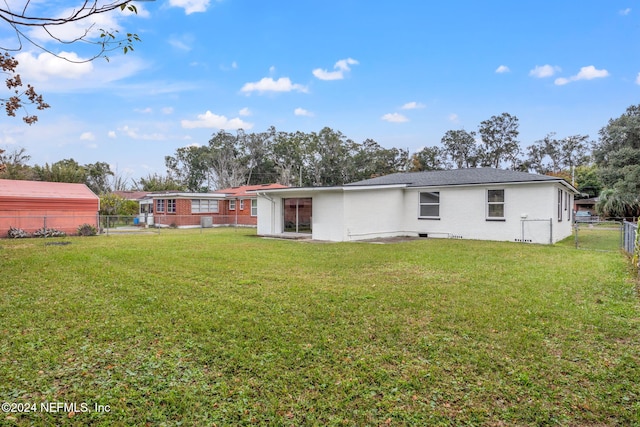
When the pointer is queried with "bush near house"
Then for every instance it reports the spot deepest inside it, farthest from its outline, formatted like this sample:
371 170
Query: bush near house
48 232
17 233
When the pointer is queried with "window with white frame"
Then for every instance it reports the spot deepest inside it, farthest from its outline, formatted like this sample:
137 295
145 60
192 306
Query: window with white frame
204 206
495 204
560 204
171 206
232 204
254 207
430 205
241 204
160 205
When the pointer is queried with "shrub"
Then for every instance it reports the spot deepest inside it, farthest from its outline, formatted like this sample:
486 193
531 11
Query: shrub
87 230
17 233
48 232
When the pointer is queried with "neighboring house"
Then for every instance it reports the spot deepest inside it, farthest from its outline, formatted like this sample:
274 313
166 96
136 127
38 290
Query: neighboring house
480 203
179 209
240 204
587 205
135 196
229 206
31 205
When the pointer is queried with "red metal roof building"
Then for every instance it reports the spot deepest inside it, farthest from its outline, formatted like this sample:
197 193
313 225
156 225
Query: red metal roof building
31 205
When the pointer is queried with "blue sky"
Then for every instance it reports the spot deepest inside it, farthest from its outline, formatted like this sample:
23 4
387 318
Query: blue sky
401 73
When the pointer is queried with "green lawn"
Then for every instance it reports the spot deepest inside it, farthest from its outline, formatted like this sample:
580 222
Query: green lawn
601 236
224 328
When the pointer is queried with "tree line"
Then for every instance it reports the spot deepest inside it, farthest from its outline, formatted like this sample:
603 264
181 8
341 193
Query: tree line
609 167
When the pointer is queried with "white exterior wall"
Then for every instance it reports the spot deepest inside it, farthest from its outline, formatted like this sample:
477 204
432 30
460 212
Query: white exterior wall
270 215
372 213
343 214
327 216
463 214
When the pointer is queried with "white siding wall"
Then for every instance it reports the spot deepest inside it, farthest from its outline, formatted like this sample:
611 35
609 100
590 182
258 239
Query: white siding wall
269 215
328 216
374 213
463 214
356 214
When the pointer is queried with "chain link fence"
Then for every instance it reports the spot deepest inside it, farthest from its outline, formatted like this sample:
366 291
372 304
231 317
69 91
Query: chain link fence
599 235
34 225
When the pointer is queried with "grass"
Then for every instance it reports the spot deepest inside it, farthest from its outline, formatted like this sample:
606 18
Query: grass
223 328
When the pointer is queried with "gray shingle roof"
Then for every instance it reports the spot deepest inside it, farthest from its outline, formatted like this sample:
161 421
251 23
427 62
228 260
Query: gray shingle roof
456 177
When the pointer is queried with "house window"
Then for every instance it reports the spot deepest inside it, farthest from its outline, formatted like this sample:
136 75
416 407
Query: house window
204 206
160 205
430 205
171 206
567 203
254 207
495 204
559 205
241 204
232 205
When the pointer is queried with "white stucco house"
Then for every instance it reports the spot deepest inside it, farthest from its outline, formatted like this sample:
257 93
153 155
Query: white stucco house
477 203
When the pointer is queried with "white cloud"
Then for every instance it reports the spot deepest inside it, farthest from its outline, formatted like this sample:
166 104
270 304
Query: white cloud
191 6
272 69
183 42
625 12
542 71
245 112
87 136
84 28
134 134
302 112
210 120
147 110
591 72
394 118
267 84
453 118
167 110
45 66
112 134
638 79
56 75
412 105
502 69
340 67
586 73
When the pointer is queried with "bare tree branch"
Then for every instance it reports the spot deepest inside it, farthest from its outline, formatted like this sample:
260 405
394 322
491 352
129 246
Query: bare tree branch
106 41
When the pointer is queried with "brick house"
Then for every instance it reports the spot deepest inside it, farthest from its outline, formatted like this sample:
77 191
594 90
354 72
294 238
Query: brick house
240 205
229 206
